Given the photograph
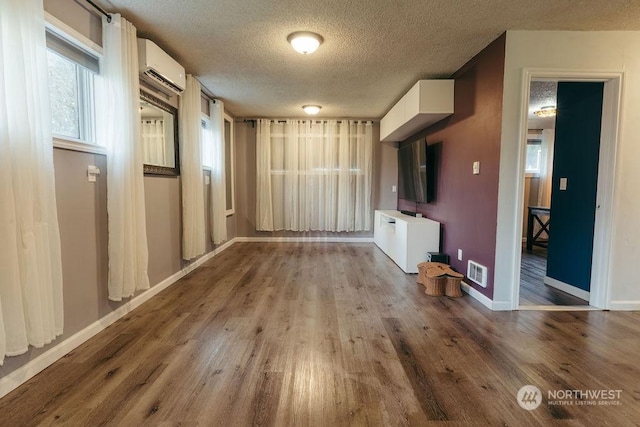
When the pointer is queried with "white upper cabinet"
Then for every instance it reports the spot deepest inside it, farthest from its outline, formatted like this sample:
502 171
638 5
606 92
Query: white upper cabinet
428 102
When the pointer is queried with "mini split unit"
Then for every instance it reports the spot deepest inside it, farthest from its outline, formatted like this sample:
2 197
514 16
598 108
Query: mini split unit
159 69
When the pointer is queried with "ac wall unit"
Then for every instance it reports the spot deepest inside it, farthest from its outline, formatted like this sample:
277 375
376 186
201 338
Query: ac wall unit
159 69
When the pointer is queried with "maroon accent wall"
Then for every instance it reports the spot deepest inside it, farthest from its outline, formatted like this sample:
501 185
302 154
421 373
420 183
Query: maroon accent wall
467 204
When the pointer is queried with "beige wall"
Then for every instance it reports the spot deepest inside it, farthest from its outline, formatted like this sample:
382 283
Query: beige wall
77 16
385 175
162 204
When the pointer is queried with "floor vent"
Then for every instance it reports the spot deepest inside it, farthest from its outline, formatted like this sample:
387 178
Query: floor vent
477 273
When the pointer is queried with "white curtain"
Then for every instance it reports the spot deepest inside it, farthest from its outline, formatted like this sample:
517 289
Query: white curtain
153 137
119 130
193 217
218 197
546 167
31 310
314 175
264 207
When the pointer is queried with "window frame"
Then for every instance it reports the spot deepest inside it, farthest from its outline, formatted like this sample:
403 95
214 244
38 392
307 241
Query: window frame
533 142
75 38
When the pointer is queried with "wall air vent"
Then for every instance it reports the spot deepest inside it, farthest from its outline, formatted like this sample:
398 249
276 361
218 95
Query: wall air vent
160 79
477 273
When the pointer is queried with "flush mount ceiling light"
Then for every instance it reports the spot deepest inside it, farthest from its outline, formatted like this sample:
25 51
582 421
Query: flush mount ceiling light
548 111
311 109
305 42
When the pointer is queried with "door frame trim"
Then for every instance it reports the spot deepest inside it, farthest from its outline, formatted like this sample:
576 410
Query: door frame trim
600 288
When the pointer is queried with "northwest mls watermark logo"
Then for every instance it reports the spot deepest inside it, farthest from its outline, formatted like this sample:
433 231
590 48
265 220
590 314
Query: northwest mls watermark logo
529 397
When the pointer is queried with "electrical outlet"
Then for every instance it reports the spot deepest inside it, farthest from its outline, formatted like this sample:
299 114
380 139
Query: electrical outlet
92 172
459 254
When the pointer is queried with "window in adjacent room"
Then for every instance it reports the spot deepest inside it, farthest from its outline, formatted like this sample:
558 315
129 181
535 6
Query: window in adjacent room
534 156
71 89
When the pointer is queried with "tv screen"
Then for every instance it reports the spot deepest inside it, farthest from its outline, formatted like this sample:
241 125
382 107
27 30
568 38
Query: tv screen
414 172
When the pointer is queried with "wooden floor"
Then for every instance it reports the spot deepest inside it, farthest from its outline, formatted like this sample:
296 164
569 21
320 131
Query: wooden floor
533 291
331 334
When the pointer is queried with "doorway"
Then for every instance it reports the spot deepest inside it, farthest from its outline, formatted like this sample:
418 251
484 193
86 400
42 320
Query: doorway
563 141
598 273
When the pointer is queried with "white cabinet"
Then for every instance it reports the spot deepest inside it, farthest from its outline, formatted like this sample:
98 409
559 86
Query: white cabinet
426 103
406 239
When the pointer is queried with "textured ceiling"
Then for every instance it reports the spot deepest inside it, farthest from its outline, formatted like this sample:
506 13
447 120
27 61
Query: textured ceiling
374 50
542 94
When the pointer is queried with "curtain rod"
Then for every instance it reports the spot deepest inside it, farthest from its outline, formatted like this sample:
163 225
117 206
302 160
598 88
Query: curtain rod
99 9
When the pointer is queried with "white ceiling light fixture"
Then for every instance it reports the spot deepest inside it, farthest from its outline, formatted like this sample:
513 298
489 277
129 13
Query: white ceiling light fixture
311 109
548 111
305 42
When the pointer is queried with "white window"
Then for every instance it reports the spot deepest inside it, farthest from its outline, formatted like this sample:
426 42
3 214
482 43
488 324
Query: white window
534 156
71 89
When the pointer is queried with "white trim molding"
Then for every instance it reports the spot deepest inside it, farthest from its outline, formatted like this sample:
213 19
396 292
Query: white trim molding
484 300
509 243
262 239
557 308
625 305
565 287
71 35
77 145
46 359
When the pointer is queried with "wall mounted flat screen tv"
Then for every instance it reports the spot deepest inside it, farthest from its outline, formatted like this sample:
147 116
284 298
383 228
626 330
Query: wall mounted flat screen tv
415 172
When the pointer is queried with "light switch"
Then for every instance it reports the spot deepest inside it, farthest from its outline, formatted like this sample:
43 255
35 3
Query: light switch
563 184
394 188
476 168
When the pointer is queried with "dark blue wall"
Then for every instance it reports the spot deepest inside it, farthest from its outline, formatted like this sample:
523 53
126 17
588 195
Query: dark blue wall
575 157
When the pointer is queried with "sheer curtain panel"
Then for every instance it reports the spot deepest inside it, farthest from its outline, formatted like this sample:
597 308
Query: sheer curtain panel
218 197
314 175
31 309
193 217
119 131
153 137
264 207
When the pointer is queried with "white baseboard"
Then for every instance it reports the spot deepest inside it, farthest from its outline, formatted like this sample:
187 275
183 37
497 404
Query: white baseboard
33 367
625 305
565 287
501 306
484 300
557 308
306 239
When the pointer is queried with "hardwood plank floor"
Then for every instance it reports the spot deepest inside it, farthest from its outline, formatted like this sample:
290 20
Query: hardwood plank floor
331 334
533 290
